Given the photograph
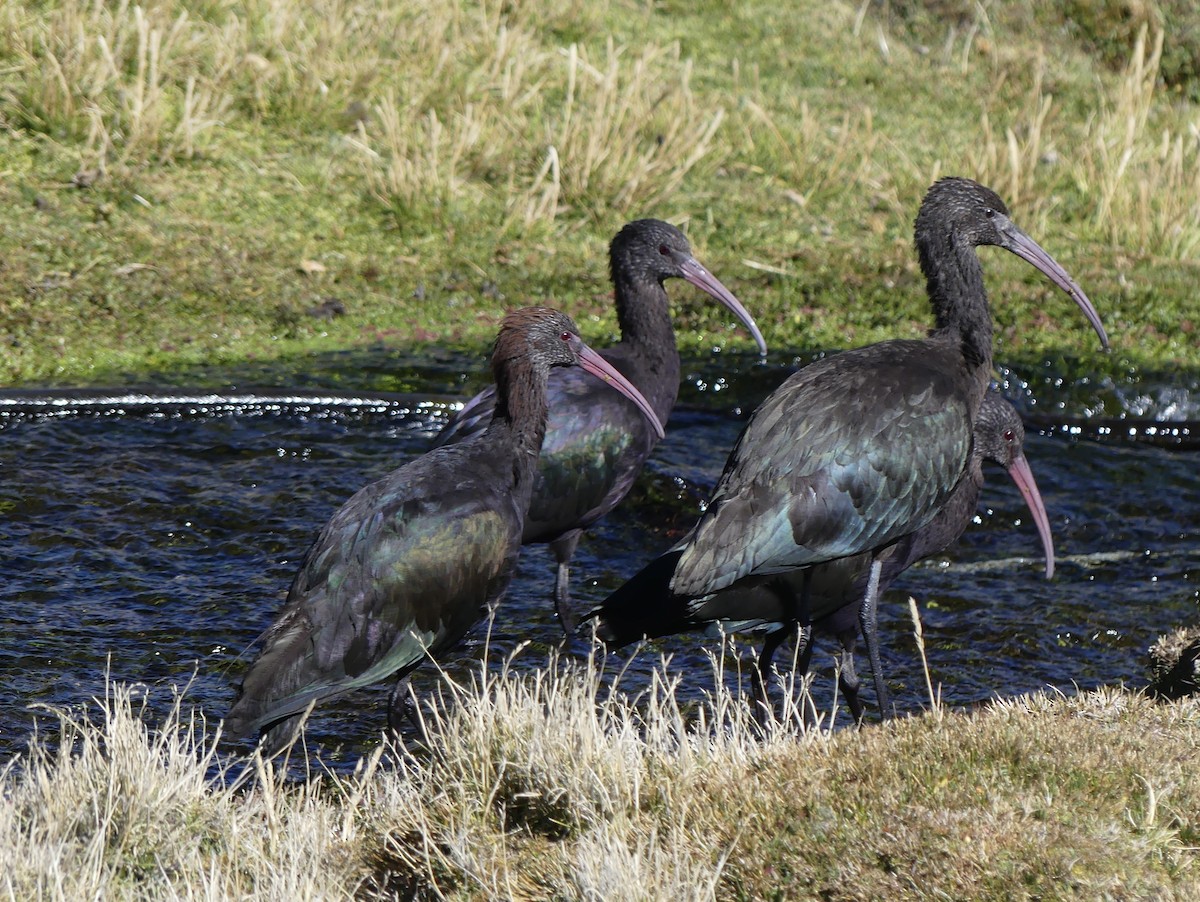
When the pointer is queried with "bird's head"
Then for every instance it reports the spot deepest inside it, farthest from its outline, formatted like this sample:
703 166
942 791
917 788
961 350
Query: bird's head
964 211
999 432
1000 437
650 250
959 212
542 337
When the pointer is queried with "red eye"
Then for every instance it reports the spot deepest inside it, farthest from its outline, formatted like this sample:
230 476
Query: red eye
664 250
1008 435
566 336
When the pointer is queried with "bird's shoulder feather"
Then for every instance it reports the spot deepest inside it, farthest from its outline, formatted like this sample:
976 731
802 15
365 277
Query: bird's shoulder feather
849 454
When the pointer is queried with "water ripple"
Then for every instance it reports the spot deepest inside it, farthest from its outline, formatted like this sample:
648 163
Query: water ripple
152 535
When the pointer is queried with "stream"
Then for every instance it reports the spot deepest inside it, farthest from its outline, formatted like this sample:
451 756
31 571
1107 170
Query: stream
150 535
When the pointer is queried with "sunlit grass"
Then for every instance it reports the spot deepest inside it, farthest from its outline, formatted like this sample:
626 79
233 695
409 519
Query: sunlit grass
128 84
1142 174
169 166
1147 177
543 783
106 806
543 133
415 142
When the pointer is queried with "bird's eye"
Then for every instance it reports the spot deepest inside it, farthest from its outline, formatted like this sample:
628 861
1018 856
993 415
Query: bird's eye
664 250
989 213
1008 435
566 336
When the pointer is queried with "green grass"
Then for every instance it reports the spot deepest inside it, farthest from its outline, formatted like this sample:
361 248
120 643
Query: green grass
174 172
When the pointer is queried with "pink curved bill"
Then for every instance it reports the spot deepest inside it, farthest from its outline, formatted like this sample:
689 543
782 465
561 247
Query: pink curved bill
596 365
1023 477
1032 253
704 280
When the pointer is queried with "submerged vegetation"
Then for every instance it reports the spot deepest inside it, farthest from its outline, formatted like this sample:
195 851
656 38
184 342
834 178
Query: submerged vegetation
217 181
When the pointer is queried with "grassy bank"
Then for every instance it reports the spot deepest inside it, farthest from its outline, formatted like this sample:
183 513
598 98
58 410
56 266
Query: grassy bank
221 182
540 786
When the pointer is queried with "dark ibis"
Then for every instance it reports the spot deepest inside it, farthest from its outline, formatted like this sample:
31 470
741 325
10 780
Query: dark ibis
596 443
411 562
856 451
644 607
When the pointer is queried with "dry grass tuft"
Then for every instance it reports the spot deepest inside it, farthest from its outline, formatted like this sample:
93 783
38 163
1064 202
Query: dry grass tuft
1139 166
542 784
820 155
628 128
1013 161
541 131
1147 178
445 102
115 809
447 105
132 84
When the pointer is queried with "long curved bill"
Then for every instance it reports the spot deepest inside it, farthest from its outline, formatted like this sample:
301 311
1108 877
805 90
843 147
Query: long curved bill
1023 477
707 282
1031 252
601 368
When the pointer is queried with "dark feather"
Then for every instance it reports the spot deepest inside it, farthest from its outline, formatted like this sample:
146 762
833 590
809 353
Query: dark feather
410 563
596 441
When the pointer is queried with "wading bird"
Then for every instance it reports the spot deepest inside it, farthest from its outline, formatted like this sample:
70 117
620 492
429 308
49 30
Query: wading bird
596 442
855 452
411 562
644 607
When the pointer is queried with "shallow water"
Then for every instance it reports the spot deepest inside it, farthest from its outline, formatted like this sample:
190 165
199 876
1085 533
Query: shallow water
153 538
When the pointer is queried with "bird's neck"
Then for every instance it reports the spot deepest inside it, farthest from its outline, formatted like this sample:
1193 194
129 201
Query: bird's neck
644 316
952 520
646 355
520 417
954 280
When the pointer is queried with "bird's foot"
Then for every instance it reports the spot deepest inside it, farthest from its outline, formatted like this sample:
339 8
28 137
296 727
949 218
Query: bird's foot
567 618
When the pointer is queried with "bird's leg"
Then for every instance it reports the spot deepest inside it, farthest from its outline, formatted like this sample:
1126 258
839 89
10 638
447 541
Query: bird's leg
795 612
867 620
848 679
564 549
804 653
403 709
764 710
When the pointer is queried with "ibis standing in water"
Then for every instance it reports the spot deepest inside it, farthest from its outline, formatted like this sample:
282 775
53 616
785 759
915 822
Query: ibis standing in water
410 563
855 452
596 442
644 607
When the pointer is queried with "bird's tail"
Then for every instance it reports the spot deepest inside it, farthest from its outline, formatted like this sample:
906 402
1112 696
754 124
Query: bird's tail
274 688
644 608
